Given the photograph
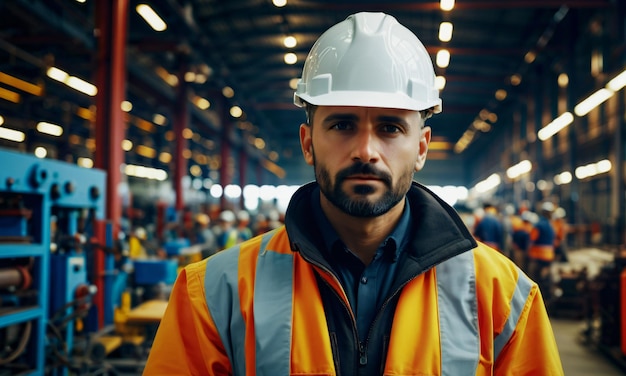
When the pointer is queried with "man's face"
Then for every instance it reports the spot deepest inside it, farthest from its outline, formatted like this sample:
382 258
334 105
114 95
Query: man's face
364 157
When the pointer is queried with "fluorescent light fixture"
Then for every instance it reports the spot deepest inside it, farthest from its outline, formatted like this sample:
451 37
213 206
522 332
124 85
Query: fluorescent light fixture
21 84
151 17
519 169
85 162
440 82
290 41
291 58
12 134
57 74
618 82
9 95
443 58
592 101
446 5
145 172
82 86
41 152
445 31
49 128
488 184
555 126
236 111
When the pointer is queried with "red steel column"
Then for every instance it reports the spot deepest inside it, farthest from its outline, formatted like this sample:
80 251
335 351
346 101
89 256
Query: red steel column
111 32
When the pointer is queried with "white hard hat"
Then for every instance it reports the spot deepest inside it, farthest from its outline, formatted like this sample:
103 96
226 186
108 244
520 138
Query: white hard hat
559 212
227 216
547 206
369 60
243 215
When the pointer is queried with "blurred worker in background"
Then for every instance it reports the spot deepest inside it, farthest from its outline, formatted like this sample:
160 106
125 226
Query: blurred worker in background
136 244
372 273
204 235
541 251
227 235
244 232
561 229
489 229
520 238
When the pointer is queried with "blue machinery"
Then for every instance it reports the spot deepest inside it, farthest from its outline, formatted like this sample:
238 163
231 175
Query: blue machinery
50 214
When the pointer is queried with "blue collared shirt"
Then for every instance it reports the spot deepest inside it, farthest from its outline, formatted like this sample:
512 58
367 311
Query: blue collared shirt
367 287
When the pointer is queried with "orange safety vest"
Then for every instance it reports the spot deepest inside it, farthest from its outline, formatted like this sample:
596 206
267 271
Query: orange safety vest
256 309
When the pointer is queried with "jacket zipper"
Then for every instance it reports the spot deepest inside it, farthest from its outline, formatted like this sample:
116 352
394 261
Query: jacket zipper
361 347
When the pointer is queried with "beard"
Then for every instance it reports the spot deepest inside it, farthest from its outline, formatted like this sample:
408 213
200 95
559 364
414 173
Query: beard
358 203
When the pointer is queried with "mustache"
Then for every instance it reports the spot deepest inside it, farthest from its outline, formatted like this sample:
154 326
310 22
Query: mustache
360 168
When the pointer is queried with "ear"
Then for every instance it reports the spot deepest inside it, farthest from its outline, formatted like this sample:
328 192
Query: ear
423 148
306 143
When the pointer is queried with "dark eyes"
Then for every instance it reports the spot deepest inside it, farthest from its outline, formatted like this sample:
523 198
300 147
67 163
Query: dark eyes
348 126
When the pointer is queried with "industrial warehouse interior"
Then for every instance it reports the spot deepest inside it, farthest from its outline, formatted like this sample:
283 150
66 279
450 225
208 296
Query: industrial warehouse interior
131 129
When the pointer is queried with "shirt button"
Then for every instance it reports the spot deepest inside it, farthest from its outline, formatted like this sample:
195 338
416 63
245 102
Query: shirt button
363 280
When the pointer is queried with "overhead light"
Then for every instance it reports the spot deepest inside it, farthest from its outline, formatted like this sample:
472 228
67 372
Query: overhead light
1 120
555 126
519 169
145 151
71 81
443 58
49 128
82 86
85 162
12 134
293 83
279 3
488 184
40 152
126 106
445 31
446 5
201 103
145 172
228 92
530 57
291 58
159 119
440 82
21 84
151 17
9 95
290 41
236 111
127 145
501 94
57 74
563 80
592 101
618 82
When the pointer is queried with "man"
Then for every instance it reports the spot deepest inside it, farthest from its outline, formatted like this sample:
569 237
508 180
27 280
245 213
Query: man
372 273
541 253
489 229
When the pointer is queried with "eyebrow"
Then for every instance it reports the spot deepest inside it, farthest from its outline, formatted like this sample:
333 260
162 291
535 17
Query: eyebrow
354 118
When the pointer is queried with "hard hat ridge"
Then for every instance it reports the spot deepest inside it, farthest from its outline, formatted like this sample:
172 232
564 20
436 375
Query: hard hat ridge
369 60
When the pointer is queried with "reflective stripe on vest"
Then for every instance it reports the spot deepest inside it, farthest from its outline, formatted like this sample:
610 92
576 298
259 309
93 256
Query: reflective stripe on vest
270 298
518 301
458 315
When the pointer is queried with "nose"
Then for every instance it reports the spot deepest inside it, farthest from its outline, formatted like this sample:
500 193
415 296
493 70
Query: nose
365 146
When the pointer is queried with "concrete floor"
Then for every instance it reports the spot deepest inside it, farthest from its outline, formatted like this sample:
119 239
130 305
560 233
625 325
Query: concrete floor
580 360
